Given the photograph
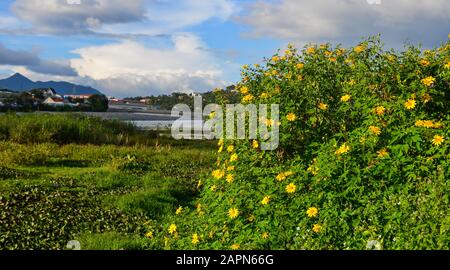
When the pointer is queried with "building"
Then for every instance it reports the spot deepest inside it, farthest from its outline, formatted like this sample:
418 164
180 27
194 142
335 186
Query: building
84 97
58 101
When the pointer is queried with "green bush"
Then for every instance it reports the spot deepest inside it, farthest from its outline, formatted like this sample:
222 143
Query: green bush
363 160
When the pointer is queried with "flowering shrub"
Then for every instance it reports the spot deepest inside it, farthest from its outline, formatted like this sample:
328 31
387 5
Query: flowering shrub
363 157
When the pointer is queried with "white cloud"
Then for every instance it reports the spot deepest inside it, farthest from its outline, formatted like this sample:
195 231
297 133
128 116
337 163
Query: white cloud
348 20
118 17
130 68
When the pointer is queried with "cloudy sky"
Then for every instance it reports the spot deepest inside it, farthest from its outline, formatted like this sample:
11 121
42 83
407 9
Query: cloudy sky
145 47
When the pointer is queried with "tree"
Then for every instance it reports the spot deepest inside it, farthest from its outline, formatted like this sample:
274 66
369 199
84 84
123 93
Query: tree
99 103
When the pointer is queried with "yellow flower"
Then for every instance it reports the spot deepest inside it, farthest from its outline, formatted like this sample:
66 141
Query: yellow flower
343 149
173 229
291 117
429 81
233 213
244 90
231 168
179 210
255 144
438 140
375 130
247 98
195 239
313 169
264 96
245 67
323 106
213 188
359 49
424 62
380 110
149 235
410 104
317 228
230 149
266 200
218 174
220 149
265 235
234 158
230 178
346 98
235 246
275 59
300 65
221 142
274 72
426 98
282 176
311 50
383 153
291 188
312 212
257 65
447 66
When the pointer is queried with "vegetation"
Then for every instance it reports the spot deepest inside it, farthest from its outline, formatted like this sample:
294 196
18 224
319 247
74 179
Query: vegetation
101 195
363 160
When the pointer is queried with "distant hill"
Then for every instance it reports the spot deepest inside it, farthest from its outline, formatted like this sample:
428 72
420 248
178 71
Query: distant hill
20 83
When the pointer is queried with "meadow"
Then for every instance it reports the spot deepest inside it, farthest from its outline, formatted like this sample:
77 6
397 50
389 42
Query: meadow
100 189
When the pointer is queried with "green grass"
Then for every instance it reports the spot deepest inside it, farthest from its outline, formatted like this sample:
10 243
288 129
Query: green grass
100 195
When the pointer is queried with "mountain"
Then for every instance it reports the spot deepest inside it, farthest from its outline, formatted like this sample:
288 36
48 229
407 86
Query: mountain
20 83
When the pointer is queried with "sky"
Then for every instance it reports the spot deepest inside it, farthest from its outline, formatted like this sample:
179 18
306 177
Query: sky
153 47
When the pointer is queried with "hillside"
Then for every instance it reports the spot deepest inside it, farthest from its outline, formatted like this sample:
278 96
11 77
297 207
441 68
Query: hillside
20 83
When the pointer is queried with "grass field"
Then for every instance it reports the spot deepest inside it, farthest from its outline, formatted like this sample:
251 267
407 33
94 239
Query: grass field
100 195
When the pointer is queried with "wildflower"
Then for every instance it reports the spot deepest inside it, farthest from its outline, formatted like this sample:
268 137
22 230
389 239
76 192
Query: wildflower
230 178
311 50
380 110
351 82
282 176
359 49
195 239
234 158
233 213
221 142
291 188
424 63
300 65
270 122
426 98
173 229
265 235
447 66
312 212
333 59
291 117
213 188
245 67
429 81
275 59
264 96
375 130
343 149
149 235
314 170
257 65
255 144
410 104
274 72
266 200
231 168
218 174
230 149
220 149
235 246
323 106
346 98
247 98
383 153
179 210
244 90
438 140
317 228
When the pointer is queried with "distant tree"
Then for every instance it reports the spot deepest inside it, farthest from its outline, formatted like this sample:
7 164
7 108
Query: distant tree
99 103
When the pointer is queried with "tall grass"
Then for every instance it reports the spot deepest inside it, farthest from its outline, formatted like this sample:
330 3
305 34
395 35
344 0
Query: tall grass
64 129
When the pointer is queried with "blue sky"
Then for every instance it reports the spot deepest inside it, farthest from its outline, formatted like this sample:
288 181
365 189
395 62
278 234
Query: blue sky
145 47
